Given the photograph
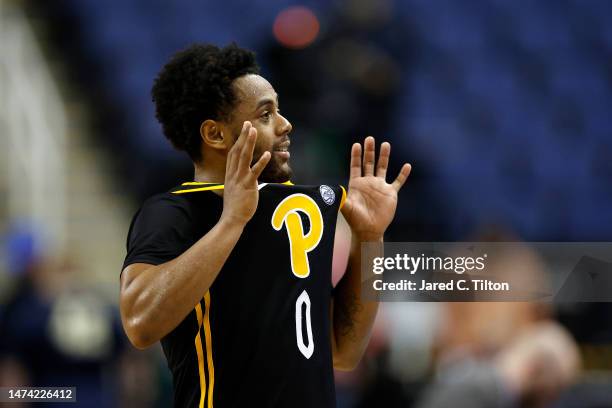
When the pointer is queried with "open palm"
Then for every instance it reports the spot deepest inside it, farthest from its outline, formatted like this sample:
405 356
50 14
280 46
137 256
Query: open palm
371 201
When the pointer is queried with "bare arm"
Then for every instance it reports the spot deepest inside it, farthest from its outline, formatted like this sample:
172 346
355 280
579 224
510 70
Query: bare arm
369 209
155 299
352 317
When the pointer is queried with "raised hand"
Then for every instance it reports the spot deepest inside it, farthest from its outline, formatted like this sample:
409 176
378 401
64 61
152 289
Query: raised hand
240 194
371 201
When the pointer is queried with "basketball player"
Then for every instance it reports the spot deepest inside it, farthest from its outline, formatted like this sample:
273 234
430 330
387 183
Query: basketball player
232 271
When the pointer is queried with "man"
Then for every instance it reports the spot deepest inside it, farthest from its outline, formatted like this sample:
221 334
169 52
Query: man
234 277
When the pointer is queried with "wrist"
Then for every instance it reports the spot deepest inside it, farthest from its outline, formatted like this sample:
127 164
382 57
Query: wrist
231 221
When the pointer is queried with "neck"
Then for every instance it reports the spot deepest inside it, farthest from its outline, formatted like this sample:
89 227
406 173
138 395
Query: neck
209 175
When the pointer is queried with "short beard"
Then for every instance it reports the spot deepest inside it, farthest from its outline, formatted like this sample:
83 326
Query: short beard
274 173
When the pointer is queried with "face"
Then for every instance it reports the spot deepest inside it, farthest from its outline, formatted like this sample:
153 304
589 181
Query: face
257 102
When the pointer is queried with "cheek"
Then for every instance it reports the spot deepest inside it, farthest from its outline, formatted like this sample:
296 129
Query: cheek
263 143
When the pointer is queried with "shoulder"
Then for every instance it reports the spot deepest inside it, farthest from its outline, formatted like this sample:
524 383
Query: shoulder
160 230
164 207
166 200
159 217
168 211
175 209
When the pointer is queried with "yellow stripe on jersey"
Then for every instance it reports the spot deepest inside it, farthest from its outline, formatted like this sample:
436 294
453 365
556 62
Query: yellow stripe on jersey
200 353
343 199
193 190
208 187
209 357
197 183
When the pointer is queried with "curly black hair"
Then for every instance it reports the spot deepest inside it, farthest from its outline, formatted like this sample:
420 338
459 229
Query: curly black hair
196 85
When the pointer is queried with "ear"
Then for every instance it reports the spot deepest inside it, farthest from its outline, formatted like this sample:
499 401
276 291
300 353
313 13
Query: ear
213 135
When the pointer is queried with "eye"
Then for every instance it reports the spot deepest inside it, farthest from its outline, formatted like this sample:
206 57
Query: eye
266 115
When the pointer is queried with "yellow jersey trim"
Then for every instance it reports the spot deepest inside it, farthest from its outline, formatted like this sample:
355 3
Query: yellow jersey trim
200 353
209 357
343 199
208 187
193 190
204 323
196 183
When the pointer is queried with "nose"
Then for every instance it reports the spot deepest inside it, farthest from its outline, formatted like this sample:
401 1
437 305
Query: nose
285 126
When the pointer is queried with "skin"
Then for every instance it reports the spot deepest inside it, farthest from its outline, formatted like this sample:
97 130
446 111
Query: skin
258 105
239 151
542 361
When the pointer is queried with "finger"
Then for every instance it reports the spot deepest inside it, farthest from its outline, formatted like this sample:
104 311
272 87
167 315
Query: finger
233 156
368 156
246 155
383 160
402 176
355 160
244 133
230 163
261 164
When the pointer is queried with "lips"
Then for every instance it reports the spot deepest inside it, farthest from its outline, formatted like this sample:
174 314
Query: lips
282 150
282 147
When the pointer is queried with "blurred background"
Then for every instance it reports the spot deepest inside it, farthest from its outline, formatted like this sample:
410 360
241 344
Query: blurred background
502 107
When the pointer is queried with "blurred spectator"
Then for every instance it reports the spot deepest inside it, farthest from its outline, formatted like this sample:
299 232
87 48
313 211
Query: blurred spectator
13 374
55 332
530 371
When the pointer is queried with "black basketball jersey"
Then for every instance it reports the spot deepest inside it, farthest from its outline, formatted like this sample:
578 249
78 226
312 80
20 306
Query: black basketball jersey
260 337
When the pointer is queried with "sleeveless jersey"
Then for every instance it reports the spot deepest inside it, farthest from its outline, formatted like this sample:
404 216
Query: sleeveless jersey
260 337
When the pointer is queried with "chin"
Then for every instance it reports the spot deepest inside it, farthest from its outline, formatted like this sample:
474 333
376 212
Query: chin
274 173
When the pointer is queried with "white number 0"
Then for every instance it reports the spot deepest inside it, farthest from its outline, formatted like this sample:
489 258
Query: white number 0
306 350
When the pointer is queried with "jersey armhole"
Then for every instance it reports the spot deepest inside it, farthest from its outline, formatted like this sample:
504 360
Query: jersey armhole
343 199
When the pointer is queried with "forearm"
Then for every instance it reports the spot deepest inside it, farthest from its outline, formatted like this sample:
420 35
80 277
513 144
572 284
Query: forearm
353 317
155 299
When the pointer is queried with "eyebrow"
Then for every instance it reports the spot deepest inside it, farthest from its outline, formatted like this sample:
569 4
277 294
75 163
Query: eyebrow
266 101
